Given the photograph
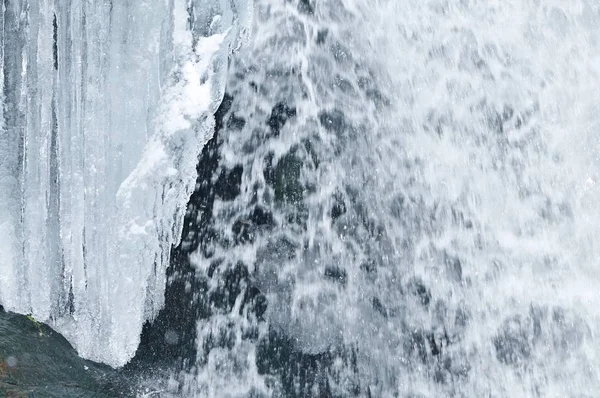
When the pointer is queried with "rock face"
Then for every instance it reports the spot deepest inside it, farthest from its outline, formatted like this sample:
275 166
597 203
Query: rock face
36 361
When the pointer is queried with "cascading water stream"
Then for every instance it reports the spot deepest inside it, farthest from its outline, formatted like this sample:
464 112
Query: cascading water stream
402 201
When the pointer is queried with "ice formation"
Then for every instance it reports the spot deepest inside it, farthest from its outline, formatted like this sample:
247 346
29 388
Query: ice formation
106 107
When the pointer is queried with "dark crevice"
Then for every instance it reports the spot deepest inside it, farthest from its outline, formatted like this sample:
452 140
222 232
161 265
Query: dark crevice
55 42
306 7
301 374
170 340
53 220
279 116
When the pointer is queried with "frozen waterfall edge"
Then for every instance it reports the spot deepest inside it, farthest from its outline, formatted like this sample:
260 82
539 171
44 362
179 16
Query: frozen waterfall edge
90 217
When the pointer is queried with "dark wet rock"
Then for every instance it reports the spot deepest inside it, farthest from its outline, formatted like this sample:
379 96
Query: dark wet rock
221 337
364 82
256 301
228 184
260 306
186 295
322 36
210 239
367 85
222 111
311 152
513 342
435 346
377 97
434 349
427 345
272 353
338 208
235 123
298 374
243 231
305 6
262 217
214 265
288 187
233 280
253 86
336 274
279 116
495 122
278 250
199 210
246 228
269 169
251 333
183 306
451 369
55 42
369 266
333 121
379 307
545 330
519 122
35 361
416 345
372 227
416 288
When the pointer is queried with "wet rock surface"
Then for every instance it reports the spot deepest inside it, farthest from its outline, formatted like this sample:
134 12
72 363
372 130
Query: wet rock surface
35 361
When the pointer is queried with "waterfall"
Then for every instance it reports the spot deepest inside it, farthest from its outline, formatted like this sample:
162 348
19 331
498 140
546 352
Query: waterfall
309 198
401 200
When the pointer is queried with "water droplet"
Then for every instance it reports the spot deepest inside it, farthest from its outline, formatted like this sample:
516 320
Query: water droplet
171 337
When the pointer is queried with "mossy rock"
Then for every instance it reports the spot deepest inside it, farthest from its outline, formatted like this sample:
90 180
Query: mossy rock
35 361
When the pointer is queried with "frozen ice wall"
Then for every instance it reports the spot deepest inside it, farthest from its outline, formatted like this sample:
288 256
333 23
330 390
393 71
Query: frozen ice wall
106 105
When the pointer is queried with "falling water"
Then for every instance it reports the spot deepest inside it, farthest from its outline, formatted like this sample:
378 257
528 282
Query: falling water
401 201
